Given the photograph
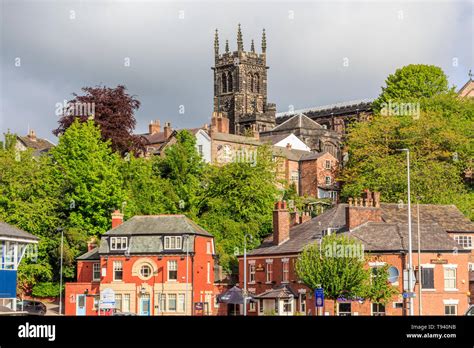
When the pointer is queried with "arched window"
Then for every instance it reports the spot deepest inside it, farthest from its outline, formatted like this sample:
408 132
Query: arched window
224 83
230 83
250 82
256 84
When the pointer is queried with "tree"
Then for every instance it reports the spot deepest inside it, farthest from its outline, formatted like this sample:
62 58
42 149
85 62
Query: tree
441 150
88 172
412 83
112 110
183 167
380 290
237 200
337 265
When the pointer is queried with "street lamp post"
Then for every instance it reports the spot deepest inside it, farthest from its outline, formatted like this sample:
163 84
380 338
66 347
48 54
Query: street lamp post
61 273
245 272
420 307
186 237
410 251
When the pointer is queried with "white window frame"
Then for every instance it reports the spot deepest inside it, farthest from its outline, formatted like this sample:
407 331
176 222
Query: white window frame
172 268
251 273
170 296
94 270
453 268
451 305
118 243
208 272
118 266
252 307
326 166
181 303
269 272
464 240
302 302
173 243
126 303
326 181
470 266
118 299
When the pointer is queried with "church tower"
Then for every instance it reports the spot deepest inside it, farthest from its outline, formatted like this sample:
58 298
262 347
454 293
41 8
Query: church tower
240 87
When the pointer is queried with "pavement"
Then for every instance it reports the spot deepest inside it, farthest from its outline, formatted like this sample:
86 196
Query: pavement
52 308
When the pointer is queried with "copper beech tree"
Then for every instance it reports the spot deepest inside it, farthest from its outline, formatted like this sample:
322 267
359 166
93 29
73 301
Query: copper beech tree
112 109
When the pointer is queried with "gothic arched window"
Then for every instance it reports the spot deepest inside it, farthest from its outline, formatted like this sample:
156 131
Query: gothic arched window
230 82
224 83
256 85
250 82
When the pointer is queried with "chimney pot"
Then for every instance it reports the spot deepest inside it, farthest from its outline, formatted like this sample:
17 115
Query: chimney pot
154 127
117 218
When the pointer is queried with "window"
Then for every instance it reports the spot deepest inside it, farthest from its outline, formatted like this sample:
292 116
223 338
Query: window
450 310
200 150
181 300
96 271
172 302
118 302
378 309
172 270
427 278
260 306
449 278
269 272
126 303
118 243
208 248
327 164
464 241
252 273
294 177
163 302
328 180
288 305
230 86
286 271
345 309
208 272
145 271
96 302
173 242
303 303
118 270
252 307
470 267
224 83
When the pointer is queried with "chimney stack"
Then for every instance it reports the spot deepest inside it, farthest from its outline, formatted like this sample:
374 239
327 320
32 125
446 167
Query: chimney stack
91 244
294 218
305 216
154 127
219 123
281 223
117 218
365 209
167 129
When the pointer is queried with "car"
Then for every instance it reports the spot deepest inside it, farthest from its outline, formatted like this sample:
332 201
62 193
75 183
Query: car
470 311
31 307
123 314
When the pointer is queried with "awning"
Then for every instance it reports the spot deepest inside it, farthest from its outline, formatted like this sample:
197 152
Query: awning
234 295
280 292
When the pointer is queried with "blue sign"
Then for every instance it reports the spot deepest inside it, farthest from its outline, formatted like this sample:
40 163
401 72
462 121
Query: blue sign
409 295
319 297
7 284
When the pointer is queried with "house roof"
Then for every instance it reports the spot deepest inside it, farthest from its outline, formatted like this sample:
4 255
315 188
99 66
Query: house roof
279 292
92 254
291 154
297 121
154 138
9 231
36 144
158 224
274 138
390 234
234 138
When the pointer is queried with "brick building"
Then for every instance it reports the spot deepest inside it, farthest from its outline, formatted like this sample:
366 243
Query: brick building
382 229
154 265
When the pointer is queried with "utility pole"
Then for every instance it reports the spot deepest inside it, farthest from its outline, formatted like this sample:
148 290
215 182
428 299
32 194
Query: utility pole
61 273
245 272
420 307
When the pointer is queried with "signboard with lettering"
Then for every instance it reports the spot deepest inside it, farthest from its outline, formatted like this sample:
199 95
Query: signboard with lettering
439 261
260 268
107 299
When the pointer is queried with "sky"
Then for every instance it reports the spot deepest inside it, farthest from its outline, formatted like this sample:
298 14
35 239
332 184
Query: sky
319 52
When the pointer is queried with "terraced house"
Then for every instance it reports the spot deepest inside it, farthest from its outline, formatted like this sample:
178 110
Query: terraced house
443 270
151 265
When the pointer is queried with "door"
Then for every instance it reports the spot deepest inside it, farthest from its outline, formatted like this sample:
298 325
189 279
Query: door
145 305
80 304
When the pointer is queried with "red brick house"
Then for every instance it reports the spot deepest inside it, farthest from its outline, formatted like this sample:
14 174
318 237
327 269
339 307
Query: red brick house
382 229
153 265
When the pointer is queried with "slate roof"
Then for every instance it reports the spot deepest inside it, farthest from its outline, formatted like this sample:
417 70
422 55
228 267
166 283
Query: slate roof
158 224
280 292
324 109
90 255
297 121
38 144
382 236
155 138
312 156
390 234
291 154
234 138
7 230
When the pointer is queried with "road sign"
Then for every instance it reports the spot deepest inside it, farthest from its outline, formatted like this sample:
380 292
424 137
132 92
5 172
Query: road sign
319 297
409 295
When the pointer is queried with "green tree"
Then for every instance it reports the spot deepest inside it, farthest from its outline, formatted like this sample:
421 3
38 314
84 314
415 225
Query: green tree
331 266
412 82
90 178
183 167
380 290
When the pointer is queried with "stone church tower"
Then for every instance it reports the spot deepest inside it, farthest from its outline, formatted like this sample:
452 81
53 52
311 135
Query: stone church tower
240 87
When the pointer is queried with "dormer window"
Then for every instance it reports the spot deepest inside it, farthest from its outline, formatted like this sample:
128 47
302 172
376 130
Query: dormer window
118 243
173 242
